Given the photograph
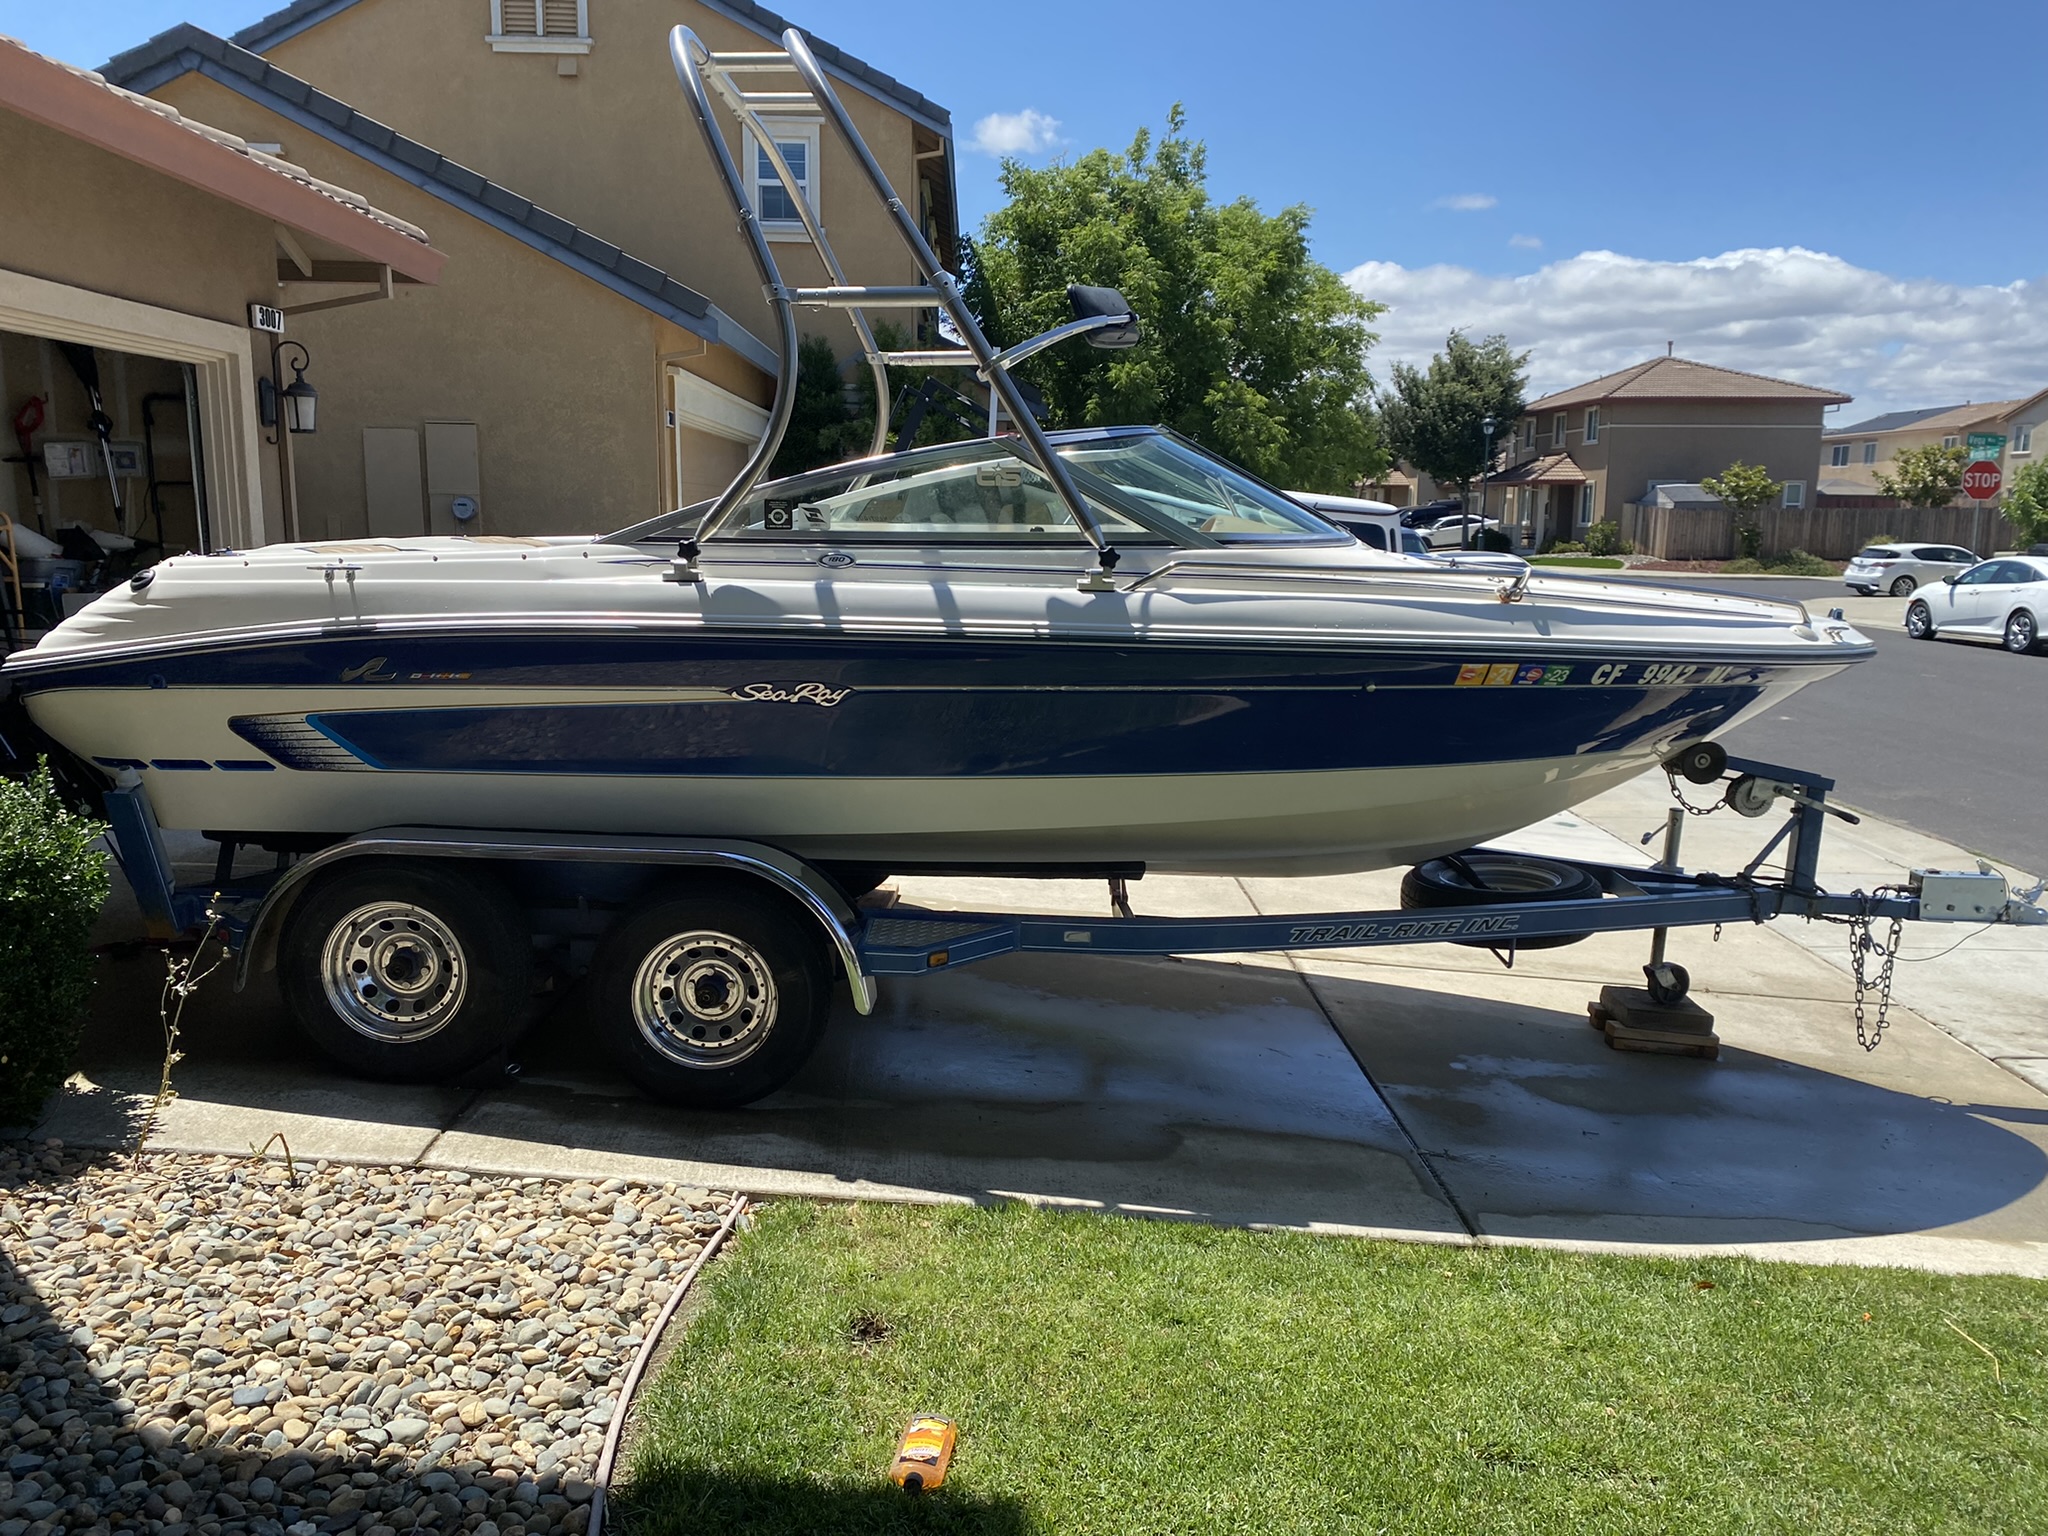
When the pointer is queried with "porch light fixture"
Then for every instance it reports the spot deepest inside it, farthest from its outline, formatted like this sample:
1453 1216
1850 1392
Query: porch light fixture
301 400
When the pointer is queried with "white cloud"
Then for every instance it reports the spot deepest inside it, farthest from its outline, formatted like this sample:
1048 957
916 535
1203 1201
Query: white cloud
1525 242
1028 132
1466 202
1796 314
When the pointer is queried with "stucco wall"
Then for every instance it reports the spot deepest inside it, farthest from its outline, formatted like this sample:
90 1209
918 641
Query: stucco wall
563 377
1691 439
612 148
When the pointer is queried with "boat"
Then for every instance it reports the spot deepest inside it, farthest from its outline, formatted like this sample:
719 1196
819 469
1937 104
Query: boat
1095 650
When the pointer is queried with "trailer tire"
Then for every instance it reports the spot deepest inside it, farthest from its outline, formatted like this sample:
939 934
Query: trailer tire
1498 879
406 971
713 998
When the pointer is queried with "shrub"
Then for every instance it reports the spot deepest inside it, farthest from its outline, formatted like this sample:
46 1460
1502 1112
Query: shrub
1794 562
1494 539
53 881
1606 539
1564 547
1751 538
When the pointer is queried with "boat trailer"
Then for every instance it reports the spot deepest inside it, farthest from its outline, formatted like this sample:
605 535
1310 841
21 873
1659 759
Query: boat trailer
875 937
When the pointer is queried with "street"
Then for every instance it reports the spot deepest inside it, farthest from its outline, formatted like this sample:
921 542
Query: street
1943 736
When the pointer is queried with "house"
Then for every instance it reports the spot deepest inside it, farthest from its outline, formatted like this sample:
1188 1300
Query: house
1577 456
1852 456
141 256
593 355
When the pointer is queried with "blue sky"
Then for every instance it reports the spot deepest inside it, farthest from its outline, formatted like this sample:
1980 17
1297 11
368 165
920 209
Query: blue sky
1789 187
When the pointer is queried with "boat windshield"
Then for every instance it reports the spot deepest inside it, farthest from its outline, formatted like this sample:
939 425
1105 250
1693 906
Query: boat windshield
1173 479
1143 486
973 492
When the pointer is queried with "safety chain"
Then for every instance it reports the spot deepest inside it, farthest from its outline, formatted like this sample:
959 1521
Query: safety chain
1690 809
1862 945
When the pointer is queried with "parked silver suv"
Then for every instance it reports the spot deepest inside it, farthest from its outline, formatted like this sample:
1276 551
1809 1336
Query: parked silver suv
1899 568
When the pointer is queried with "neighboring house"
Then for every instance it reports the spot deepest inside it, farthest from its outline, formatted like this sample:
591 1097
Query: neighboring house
1851 456
1403 485
1577 456
593 356
133 242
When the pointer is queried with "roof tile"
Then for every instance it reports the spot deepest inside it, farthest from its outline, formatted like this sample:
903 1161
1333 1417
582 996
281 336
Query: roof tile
1679 378
551 225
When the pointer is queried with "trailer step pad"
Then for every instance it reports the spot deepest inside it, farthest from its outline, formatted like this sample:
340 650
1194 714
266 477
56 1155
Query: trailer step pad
1633 1021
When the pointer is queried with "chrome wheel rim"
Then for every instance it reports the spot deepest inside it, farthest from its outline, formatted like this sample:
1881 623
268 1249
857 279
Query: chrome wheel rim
704 999
2019 633
394 973
1904 586
1916 620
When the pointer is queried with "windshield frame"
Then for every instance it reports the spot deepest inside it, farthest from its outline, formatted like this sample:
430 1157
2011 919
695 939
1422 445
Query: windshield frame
1157 528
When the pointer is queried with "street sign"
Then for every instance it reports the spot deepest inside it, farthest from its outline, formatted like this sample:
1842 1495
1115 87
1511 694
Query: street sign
1982 480
1986 445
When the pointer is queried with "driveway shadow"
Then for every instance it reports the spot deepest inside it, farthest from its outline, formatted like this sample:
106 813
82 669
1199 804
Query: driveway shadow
1541 1130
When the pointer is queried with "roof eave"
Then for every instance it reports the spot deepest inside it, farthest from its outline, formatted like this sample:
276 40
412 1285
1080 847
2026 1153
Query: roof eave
45 92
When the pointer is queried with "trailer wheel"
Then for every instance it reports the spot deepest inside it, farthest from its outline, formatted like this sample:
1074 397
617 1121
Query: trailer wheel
1498 879
713 999
408 972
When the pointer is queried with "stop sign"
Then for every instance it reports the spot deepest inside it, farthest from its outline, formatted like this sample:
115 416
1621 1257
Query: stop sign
1982 480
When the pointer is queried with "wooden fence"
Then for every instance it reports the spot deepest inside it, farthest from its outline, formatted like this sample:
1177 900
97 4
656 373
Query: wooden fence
1833 533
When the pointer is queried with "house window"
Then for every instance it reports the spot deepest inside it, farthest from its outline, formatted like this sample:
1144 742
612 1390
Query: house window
1795 493
1870 453
2023 439
1528 431
772 200
1557 430
1593 425
1585 503
1951 442
540 26
1838 456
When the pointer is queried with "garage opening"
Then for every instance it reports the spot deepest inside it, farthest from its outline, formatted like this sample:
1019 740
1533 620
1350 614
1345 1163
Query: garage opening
103 472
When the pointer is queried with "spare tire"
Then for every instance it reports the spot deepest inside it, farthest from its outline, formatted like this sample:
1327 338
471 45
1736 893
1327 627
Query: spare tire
1490 879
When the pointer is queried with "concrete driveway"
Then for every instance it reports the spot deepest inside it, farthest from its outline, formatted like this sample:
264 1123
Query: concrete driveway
1424 1093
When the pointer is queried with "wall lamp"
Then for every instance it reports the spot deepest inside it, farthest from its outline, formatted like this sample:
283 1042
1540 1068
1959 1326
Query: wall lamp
301 400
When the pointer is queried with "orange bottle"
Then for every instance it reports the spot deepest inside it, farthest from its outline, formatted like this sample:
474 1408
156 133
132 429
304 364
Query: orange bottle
924 1453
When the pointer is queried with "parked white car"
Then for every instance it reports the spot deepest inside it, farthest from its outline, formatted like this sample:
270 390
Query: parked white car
1378 524
1900 568
2004 600
1452 532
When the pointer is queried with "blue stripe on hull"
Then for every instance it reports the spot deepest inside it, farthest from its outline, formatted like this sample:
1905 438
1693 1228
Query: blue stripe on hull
1032 734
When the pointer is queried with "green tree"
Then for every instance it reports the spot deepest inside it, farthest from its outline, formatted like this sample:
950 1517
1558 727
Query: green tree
1927 476
1432 418
2026 504
1747 488
1250 347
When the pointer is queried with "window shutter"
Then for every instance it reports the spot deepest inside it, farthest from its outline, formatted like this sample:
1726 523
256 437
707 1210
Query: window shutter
559 18
521 17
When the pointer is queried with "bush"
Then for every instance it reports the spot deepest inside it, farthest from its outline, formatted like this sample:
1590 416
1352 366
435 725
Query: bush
1794 562
1563 547
53 881
1606 539
1496 540
1751 538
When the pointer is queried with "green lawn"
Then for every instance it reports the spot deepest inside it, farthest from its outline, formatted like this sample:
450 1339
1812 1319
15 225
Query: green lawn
1582 562
1127 1376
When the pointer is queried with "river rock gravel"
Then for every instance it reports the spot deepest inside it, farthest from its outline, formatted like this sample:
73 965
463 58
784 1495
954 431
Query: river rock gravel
211 1344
